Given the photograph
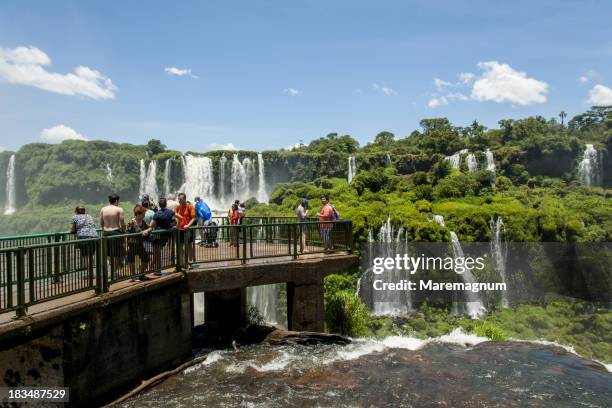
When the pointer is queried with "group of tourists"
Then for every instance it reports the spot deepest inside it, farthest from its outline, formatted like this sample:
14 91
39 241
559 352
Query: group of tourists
155 221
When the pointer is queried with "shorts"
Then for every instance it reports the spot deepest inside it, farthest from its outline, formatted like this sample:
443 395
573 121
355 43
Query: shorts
325 233
114 247
87 248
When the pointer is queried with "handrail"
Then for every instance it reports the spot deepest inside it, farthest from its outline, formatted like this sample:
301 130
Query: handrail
34 273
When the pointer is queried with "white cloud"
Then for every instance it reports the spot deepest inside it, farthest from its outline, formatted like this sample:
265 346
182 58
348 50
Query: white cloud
600 95
295 146
502 83
466 77
583 79
26 66
440 84
384 89
438 100
292 91
220 146
179 72
60 133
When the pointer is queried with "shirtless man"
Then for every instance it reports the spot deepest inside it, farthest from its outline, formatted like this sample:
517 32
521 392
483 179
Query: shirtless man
112 221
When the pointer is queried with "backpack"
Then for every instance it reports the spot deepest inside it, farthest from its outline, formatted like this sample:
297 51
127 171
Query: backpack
203 210
336 213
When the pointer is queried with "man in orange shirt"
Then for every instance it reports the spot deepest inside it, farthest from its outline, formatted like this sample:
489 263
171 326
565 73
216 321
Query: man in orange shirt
327 213
188 217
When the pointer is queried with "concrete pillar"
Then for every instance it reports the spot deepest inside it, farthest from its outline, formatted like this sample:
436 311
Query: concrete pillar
225 310
305 308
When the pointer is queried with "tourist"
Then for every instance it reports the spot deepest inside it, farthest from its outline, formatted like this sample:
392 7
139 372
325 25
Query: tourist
188 218
204 216
84 227
138 246
112 221
162 223
328 213
171 202
148 217
234 217
150 204
241 212
301 213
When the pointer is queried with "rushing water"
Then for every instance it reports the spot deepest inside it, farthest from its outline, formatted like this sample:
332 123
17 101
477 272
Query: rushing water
499 253
265 299
490 160
238 177
455 370
198 176
388 162
262 194
455 158
589 168
109 172
148 179
352 168
473 304
471 162
167 170
11 195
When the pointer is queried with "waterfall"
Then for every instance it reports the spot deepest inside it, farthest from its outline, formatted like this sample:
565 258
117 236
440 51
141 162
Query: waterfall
389 244
490 160
249 171
198 174
222 167
167 167
388 162
262 195
455 159
265 299
589 169
148 180
439 219
238 178
109 172
11 195
499 252
472 163
352 168
473 305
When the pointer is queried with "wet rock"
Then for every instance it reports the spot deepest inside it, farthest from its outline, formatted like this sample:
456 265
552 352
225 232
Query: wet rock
285 337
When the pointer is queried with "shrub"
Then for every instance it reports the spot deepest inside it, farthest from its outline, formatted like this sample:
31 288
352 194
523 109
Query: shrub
346 314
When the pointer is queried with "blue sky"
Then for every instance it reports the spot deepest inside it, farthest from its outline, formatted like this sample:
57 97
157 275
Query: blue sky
267 74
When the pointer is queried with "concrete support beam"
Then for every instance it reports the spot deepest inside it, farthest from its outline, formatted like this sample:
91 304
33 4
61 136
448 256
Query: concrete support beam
305 308
225 310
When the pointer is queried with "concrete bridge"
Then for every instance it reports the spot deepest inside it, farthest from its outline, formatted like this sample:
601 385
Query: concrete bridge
73 313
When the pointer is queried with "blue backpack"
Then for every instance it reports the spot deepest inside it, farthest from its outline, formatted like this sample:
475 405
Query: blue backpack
203 210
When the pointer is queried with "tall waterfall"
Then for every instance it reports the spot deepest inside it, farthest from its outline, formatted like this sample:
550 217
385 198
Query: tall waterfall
222 176
472 163
249 170
198 175
262 195
109 172
11 195
499 252
439 219
389 244
238 178
455 159
490 160
388 162
167 170
265 299
148 180
352 168
589 169
473 305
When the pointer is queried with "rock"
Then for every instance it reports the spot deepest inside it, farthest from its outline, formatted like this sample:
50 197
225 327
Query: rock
280 337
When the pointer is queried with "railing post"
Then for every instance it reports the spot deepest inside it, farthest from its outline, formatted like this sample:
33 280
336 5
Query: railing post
350 237
31 277
177 249
251 240
21 308
105 282
56 259
244 243
296 236
9 278
100 259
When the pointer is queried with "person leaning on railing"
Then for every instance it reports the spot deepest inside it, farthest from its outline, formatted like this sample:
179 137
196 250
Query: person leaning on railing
163 222
84 227
112 221
327 213
139 246
187 213
301 213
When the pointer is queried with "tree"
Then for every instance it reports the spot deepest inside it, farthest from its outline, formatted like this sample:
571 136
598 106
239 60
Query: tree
155 146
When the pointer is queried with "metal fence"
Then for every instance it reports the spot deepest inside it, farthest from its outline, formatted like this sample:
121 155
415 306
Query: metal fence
44 267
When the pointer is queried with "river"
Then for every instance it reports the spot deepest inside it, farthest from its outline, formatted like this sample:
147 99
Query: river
456 370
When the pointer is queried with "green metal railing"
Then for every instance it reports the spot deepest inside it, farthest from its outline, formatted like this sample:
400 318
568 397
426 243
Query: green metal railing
44 267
